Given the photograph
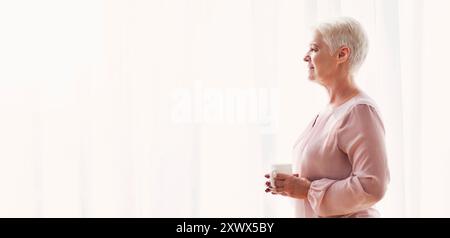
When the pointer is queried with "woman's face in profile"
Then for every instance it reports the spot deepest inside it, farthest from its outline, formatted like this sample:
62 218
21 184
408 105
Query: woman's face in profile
321 64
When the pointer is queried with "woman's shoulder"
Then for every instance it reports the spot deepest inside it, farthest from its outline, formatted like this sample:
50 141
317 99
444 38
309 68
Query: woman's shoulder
362 115
359 104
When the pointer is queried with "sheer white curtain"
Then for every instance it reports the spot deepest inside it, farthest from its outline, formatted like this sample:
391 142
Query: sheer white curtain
177 108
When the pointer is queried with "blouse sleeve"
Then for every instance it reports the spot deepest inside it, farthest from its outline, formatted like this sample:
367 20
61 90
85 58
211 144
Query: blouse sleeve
361 137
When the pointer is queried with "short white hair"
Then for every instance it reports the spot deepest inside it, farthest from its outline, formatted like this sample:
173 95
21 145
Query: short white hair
345 31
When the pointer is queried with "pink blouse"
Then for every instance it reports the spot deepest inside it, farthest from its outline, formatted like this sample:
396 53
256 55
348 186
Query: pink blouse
342 152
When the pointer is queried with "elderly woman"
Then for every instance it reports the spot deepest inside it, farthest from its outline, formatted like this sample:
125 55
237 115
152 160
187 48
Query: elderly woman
340 164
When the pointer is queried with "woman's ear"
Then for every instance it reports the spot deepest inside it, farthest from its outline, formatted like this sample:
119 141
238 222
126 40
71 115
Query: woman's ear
343 54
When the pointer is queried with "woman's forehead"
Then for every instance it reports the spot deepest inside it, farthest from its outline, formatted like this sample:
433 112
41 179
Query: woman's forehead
317 39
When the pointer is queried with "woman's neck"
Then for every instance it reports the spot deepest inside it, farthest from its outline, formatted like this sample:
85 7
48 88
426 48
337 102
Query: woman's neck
342 90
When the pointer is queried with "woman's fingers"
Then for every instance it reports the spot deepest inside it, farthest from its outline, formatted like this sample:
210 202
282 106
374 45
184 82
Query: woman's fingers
281 176
279 183
279 190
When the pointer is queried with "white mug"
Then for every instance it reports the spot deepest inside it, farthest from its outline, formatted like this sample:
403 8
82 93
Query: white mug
279 168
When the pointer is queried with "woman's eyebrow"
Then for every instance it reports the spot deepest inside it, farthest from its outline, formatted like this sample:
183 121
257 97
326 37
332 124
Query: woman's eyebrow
314 45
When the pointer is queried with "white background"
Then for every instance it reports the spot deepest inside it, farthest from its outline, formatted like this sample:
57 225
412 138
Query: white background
177 108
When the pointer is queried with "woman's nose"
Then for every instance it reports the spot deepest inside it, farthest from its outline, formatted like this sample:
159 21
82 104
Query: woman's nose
307 58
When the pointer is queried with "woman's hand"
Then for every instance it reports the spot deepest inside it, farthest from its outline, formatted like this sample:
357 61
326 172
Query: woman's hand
289 185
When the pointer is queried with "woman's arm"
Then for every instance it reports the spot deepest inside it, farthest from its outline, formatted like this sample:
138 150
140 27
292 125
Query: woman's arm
361 137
